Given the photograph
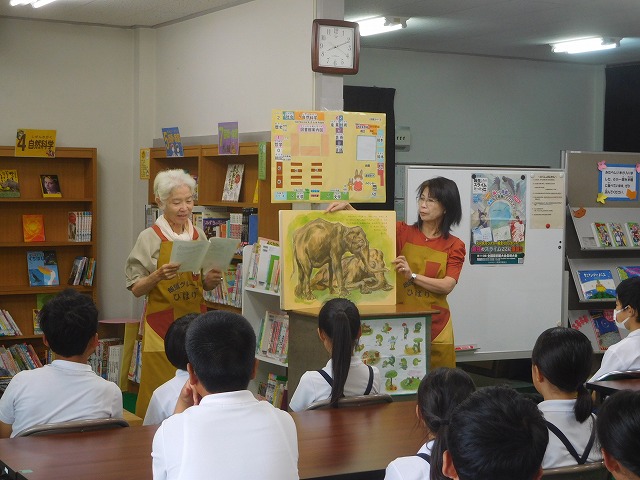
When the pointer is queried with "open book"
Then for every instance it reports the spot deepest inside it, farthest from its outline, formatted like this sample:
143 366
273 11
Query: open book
192 256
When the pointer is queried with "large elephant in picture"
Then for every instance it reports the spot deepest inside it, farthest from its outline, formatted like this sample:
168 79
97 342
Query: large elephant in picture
320 243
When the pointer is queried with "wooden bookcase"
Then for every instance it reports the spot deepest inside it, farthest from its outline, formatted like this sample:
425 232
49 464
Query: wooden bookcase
211 169
77 173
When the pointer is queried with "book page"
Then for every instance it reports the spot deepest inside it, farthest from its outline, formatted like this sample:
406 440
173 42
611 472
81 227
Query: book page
220 253
188 254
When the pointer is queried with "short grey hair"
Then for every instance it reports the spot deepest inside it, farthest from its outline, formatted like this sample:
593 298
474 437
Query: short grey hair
167 180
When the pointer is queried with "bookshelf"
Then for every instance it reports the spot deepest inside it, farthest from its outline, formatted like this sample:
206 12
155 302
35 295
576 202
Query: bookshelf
210 167
77 173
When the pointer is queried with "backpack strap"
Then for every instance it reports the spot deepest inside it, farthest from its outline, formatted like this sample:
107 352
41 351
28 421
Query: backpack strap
326 376
581 459
370 383
425 456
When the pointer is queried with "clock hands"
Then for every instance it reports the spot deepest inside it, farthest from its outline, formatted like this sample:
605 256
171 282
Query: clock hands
337 46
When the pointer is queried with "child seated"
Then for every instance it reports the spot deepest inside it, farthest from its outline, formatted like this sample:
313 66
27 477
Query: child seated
345 374
438 394
67 389
619 434
494 434
624 355
219 429
560 365
164 398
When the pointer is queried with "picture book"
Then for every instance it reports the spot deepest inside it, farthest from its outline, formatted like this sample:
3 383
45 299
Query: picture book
633 229
233 182
172 142
625 272
77 270
605 328
43 268
601 234
192 256
41 300
618 234
36 322
597 284
228 142
348 254
9 186
33 228
50 185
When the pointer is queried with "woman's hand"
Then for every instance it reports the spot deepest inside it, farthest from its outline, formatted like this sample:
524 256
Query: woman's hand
167 271
145 284
212 279
401 266
337 206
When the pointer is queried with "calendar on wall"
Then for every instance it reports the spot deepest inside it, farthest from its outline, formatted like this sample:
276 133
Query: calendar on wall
326 156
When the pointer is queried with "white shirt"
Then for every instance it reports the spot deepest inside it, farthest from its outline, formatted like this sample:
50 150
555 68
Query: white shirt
410 468
62 391
314 387
164 399
624 355
560 413
228 435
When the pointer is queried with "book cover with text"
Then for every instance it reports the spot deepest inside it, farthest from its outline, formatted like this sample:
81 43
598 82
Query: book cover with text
602 234
43 268
627 271
597 284
633 229
233 182
618 235
9 185
33 228
50 185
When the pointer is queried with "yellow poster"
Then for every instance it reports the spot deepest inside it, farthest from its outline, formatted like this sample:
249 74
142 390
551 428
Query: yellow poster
344 254
35 143
325 156
145 155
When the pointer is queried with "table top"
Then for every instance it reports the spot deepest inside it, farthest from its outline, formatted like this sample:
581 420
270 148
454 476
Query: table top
368 311
331 442
611 386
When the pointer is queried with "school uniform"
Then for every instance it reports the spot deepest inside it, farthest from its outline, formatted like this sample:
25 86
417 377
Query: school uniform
228 435
164 399
62 391
313 386
624 355
560 413
415 467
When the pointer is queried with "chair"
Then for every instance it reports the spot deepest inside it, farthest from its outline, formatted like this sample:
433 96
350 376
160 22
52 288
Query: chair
355 401
619 375
588 471
74 426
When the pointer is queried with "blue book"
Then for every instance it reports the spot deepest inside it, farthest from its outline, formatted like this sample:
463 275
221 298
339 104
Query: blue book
597 284
43 268
253 228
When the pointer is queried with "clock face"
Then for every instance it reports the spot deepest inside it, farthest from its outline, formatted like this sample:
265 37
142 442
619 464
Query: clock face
335 47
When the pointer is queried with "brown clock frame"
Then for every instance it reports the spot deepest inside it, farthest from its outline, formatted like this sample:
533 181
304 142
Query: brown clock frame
315 52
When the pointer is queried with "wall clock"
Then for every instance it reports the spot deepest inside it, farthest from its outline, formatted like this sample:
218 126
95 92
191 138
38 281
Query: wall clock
335 47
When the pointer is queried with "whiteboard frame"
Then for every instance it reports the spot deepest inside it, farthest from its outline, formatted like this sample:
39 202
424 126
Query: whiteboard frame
539 277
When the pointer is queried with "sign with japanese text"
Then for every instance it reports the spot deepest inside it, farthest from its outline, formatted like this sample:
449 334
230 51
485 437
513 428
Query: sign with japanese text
35 143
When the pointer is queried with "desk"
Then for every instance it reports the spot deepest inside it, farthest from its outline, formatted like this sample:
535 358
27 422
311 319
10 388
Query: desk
607 387
331 442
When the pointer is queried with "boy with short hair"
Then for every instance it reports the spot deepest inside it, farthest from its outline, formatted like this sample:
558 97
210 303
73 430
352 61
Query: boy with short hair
164 398
495 434
219 429
67 389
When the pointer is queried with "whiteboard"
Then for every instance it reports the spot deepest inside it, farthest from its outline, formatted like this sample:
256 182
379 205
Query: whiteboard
501 309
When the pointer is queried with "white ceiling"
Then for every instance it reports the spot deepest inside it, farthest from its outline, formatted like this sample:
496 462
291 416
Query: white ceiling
504 28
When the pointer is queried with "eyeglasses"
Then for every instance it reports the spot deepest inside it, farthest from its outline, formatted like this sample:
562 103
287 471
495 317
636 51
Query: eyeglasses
426 201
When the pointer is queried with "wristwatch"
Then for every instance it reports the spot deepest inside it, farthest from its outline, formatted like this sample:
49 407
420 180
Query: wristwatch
413 277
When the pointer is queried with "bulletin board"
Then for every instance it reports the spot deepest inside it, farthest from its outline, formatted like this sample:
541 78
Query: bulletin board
326 156
514 289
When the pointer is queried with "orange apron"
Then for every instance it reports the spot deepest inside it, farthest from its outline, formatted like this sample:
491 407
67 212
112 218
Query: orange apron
169 300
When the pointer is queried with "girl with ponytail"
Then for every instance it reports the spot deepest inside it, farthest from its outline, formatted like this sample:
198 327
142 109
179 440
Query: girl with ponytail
439 393
345 374
561 363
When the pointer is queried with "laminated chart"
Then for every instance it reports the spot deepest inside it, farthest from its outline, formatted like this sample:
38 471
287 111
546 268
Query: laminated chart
327 156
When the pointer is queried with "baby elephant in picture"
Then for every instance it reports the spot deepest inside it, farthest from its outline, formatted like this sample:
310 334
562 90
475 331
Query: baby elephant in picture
356 275
321 243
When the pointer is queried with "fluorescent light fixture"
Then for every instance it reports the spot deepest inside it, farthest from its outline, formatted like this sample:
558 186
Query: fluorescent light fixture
373 26
15 3
34 3
583 45
41 3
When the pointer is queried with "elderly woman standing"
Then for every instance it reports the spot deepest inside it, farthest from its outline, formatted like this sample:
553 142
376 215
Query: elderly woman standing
169 293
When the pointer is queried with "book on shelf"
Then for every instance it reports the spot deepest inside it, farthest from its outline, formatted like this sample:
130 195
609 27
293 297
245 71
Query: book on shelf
8 327
33 228
77 270
114 362
9 185
628 271
276 390
228 292
273 337
18 357
597 284
264 265
213 226
633 229
233 182
37 329
50 185
41 300
172 142
42 267
90 273
597 325
79 226
228 141
618 234
601 234
99 359
135 366
216 253
151 214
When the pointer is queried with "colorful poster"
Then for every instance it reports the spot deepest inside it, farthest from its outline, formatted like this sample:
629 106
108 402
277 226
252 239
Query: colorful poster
327 156
228 141
172 142
344 254
35 143
498 215
619 182
145 158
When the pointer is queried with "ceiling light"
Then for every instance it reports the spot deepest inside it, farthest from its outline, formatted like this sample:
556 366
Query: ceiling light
34 3
373 26
585 45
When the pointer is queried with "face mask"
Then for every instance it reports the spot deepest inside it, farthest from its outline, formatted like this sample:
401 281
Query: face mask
620 325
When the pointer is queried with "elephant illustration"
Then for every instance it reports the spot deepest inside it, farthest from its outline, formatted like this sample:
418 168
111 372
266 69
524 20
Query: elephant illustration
320 243
356 275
